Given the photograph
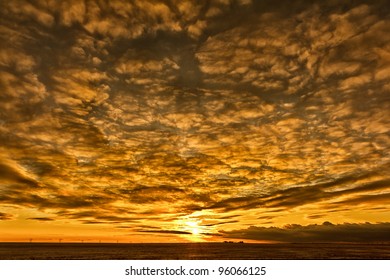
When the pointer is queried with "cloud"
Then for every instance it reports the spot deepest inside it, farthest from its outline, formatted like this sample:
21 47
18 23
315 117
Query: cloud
327 232
5 216
72 12
165 231
42 219
150 111
52 199
19 61
144 194
14 174
24 10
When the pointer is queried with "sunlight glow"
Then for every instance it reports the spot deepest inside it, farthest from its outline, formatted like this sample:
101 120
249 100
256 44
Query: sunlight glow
193 226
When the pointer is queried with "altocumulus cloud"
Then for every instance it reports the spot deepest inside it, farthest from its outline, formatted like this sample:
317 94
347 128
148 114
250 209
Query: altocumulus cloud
126 112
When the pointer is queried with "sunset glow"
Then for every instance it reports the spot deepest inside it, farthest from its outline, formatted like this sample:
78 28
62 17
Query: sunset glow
194 121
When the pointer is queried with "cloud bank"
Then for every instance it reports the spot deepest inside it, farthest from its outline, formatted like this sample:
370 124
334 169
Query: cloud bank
326 232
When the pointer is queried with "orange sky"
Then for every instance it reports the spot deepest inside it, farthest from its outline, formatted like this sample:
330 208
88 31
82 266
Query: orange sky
189 121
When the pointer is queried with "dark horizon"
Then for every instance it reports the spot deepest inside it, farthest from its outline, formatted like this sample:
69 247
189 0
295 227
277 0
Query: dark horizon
183 251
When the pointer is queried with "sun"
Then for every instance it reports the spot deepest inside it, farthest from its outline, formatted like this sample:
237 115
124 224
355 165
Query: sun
193 227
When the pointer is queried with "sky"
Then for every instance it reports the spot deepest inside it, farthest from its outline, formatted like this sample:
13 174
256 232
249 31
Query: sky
192 121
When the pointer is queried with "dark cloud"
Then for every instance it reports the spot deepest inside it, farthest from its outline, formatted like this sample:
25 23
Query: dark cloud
165 231
220 223
327 232
5 216
315 216
373 199
298 196
42 219
13 175
143 194
51 201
